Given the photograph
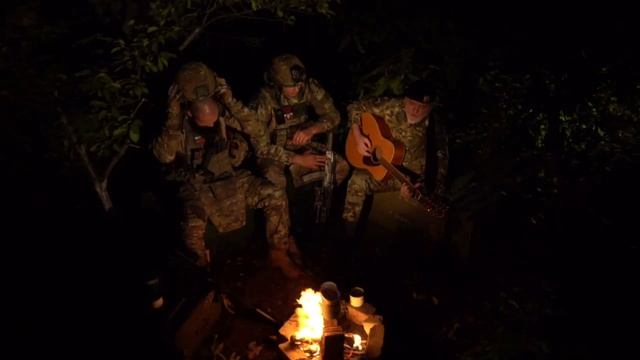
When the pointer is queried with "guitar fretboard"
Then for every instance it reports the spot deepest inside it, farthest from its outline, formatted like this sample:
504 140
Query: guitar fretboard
436 209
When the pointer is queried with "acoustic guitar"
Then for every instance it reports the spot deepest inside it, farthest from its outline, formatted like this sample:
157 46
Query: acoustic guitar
387 155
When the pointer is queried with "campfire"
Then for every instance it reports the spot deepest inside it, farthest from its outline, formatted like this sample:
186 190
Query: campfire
310 323
326 328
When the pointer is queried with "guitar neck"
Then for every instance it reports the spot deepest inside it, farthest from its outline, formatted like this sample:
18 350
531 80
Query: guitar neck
432 204
395 172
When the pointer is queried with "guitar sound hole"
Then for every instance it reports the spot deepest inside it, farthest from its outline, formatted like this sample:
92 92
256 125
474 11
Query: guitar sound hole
371 160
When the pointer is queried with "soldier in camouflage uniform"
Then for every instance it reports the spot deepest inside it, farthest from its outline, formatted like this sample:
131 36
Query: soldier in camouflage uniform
420 130
287 107
206 141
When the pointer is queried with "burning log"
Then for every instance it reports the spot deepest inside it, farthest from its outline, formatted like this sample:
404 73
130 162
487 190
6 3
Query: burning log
305 327
309 347
317 329
354 345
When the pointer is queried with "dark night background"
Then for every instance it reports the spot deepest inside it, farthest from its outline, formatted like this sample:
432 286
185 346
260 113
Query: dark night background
543 107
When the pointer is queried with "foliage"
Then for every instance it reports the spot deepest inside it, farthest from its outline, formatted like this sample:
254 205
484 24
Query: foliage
115 86
118 67
391 75
509 325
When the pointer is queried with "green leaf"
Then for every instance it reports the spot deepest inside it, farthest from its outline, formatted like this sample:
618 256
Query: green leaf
98 104
396 86
134 131
120 131
163 63
152 29
83 73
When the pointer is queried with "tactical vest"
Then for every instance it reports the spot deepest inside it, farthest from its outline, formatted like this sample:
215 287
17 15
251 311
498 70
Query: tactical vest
289 118
215 179
208 154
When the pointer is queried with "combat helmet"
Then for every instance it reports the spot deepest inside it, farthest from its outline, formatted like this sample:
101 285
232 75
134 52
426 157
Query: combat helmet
195 81
286 70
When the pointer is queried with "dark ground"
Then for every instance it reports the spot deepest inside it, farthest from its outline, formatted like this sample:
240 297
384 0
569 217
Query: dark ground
563 291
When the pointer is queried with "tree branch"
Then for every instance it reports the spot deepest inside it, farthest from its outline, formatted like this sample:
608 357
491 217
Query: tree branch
197 31
207 13
194 34
230 15
80 148
116 158
135 111
100 185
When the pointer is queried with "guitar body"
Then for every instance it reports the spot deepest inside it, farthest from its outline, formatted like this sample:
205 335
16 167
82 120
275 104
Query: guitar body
382 142
387 155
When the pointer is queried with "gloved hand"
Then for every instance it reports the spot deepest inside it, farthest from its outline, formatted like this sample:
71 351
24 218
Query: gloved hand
174 118
223 92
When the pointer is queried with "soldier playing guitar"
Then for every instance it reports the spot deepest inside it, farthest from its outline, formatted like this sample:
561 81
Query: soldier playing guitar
397 144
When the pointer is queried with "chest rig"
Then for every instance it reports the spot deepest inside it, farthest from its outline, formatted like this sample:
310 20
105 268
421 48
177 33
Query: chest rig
207 152
287 119
214 179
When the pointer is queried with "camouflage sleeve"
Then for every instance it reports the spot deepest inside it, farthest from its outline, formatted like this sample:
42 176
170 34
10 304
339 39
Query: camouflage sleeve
259 131
168 144
250 128
249 125
376 106
241 112
232 122
328 115
238 147
252 120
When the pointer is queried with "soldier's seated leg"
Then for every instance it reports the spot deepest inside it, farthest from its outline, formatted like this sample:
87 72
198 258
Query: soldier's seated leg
193 229
261 194
342 169
274 171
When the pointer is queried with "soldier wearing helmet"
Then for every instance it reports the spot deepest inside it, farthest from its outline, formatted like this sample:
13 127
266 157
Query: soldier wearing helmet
294 108
205 138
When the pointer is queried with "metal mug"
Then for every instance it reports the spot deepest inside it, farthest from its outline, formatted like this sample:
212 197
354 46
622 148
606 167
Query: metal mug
330 300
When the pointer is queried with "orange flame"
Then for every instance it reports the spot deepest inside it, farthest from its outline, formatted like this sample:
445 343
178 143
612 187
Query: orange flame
310 320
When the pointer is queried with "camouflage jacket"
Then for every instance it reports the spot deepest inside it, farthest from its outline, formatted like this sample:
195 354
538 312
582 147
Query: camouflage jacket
280 117
426 144
204 155
237 115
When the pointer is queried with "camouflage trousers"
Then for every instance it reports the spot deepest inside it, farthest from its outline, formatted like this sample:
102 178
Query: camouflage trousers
201 205
361 185
275 171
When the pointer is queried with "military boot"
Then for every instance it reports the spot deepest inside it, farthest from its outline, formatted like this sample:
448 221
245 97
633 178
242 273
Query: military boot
294 252
279 258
